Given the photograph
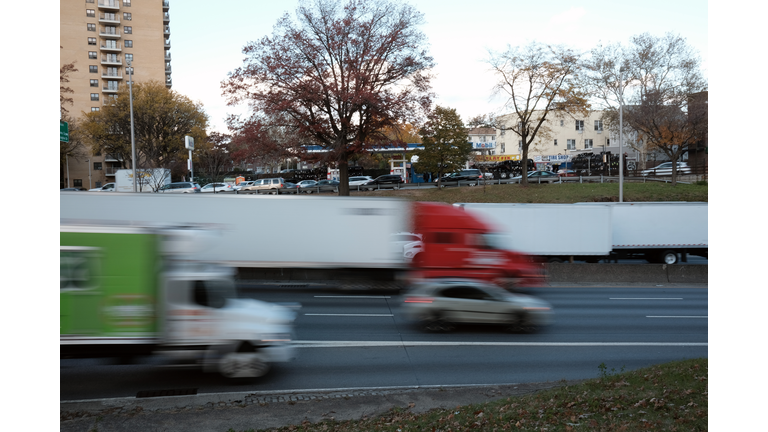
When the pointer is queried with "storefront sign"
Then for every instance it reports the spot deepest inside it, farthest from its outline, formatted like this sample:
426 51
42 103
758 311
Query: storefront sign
496 158
483 145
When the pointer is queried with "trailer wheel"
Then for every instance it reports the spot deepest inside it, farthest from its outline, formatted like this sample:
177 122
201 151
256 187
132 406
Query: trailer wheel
555 260
669 257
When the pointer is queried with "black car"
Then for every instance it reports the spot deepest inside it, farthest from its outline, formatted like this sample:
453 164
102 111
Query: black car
463 175
73 189
387 179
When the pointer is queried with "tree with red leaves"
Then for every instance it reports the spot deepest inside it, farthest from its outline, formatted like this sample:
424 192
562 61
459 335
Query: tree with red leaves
341 74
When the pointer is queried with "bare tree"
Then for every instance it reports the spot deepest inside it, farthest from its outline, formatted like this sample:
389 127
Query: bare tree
666 74
537 80
341 73
64 72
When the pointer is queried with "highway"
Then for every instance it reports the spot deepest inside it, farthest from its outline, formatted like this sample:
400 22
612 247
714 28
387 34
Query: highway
358 340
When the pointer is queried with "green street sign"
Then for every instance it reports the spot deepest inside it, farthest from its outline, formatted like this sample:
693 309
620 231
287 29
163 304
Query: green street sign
63 131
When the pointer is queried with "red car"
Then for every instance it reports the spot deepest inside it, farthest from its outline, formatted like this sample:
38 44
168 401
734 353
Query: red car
567 173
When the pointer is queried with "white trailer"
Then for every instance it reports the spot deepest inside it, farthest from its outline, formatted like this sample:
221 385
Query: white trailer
147 179
661 232
276 239
558 232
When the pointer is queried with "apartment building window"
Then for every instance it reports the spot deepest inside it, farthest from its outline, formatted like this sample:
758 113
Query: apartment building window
97 166
94 83
93 69
90 13
94 109
91 54
571 144
607 142
520 146
77 182
580 125
94 96
91 41
503 148
128 30
129 44
91 27
129 57
599 125
129 70
127 16
562 122
89 1
502 132
555 143
127 3
587 143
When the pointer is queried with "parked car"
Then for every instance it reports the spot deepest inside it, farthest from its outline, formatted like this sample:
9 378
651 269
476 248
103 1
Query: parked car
216 187
359 180
72 189
386 179
463 175
440 305
567 173
267 185
109 187
305 186
180 187
539 177
666 169
290 188
243 184
327 185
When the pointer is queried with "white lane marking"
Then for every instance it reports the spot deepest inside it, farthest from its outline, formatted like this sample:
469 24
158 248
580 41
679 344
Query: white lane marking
676 316
355 297
340 344
353 315
645 298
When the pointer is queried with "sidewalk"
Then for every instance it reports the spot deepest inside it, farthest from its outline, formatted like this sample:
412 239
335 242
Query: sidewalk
262 410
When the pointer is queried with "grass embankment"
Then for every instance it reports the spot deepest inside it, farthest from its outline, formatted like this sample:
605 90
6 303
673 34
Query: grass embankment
667 397
551 193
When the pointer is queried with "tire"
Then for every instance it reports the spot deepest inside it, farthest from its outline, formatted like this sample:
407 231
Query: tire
519 324
669 257
308 192
239 365
437 324
555 260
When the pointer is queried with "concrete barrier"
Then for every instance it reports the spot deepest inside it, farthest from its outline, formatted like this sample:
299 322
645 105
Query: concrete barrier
625 273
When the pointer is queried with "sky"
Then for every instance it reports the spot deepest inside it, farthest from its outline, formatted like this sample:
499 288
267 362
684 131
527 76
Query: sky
207 40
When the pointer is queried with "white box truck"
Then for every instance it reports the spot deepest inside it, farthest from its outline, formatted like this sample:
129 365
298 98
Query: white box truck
147 179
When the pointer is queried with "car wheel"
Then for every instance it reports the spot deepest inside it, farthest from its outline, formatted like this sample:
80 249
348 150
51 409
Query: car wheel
309 191
437 324
519 323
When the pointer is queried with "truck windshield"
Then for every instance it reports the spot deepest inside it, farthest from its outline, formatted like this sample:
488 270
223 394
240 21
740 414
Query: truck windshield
213 293
494 240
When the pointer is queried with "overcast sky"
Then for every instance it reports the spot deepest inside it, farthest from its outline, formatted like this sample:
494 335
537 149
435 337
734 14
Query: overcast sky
207 39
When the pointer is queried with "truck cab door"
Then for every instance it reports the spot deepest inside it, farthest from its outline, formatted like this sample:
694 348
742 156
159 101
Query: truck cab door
189 318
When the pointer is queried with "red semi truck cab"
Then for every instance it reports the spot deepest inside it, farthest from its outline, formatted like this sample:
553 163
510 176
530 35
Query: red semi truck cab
460 245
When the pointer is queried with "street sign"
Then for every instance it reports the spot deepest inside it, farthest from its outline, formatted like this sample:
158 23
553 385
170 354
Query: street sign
189 142
63 131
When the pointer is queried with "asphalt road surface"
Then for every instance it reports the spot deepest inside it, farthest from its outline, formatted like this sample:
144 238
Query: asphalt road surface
362 340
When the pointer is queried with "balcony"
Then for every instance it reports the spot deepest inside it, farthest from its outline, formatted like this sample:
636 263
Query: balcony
167 30
166 5
166 18
116 47
168 81
109 4
111 158
109 90
111 171
109 32
168 69
167 55
112 75
167 44
109 18
112 60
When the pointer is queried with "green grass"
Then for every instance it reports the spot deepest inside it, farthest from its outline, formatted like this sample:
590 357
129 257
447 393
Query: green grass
667 397
555 193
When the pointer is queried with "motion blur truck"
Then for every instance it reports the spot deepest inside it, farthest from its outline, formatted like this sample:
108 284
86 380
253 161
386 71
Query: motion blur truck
659 232
305 241
125 294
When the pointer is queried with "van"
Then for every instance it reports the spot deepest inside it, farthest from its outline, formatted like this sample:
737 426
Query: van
267 185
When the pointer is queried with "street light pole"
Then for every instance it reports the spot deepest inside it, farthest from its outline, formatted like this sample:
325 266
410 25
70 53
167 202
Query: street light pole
133 142
621 134
90 186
